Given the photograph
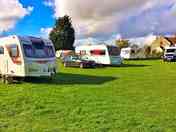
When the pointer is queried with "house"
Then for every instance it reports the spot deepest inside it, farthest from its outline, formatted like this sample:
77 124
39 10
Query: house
139 48
172 40
158 45
148 47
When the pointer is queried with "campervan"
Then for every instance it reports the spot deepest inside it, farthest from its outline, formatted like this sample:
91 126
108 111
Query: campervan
26 57
101 54
170 54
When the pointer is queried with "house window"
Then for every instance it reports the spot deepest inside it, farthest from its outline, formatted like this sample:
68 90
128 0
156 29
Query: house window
1 50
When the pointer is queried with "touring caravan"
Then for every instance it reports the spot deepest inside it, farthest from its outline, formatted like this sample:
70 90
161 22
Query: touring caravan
126 53
101 54
26 57
133 53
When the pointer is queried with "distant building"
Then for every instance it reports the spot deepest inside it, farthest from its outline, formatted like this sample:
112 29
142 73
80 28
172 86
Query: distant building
172 40
158 46
148 47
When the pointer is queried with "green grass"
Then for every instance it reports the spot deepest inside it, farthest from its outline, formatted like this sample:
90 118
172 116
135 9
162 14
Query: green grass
137 97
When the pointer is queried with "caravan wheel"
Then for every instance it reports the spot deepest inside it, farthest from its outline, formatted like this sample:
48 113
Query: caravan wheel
51 78
3 79
82 65
7 80
65 64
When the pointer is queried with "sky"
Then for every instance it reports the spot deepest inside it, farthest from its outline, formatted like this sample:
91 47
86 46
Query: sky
92 19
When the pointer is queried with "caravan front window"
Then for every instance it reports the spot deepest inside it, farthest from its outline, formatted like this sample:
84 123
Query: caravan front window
113 51
171 50
49 50
28 50
38 50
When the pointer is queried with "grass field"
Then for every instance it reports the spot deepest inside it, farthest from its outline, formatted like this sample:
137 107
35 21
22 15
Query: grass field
138 97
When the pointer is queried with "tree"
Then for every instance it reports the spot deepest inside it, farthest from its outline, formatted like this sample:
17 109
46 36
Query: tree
122 43
63 34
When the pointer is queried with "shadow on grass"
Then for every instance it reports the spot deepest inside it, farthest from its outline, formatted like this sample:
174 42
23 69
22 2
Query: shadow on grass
142 59
134 65
70 79
129 65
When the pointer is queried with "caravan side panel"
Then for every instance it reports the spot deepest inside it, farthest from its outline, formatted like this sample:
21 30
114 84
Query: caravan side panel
92 53
12 66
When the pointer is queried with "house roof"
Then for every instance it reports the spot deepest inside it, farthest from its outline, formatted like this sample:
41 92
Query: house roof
172 40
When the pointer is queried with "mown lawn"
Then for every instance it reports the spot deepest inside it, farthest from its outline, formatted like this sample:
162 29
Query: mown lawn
138 97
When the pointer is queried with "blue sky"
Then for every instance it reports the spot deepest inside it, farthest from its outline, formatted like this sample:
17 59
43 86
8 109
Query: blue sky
40 17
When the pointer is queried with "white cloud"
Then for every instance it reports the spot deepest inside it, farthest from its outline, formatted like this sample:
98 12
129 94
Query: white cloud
173 10
30 9
100 17
45 32
10 12
104 18
49 3
160 19
87 41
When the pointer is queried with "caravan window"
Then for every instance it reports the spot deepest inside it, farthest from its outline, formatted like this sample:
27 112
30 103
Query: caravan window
113 51
13 51
28 50
171 50
50 51
38 49
1 50
98 52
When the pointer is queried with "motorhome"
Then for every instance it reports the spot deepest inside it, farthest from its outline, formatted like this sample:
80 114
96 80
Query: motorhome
26 57
170 54
101 54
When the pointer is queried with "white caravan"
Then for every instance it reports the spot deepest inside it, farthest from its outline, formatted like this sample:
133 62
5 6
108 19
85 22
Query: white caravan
26 57
101 54
133 53
129 53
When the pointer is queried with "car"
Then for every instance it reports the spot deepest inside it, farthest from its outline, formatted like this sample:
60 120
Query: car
77 61
170 54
